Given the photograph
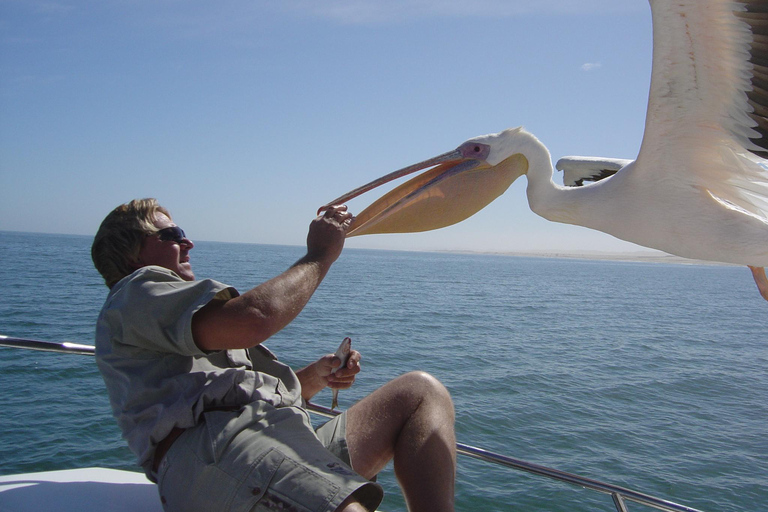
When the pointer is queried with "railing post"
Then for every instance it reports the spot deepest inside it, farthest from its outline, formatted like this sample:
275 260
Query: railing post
618 500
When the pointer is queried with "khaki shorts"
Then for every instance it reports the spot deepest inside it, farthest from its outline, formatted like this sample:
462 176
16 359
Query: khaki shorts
261 458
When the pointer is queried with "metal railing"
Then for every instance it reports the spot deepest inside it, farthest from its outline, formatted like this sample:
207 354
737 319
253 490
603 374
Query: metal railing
620 495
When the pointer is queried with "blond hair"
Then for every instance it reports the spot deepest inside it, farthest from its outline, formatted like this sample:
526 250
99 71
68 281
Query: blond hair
116 246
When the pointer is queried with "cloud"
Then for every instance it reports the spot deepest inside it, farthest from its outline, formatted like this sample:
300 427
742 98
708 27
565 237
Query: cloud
591 66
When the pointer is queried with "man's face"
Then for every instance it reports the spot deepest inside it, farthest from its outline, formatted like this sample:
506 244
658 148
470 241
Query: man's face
171 254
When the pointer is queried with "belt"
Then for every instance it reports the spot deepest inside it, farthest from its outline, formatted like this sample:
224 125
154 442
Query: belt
165 445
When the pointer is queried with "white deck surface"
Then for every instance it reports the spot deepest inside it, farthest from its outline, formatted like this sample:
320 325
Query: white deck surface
79 490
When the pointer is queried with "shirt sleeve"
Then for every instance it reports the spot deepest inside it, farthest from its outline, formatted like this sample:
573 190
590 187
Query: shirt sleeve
153 309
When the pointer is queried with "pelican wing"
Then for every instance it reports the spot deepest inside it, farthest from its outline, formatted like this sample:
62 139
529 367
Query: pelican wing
706 125
578 169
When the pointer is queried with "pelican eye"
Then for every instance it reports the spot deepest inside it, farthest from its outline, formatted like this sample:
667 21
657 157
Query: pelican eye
474 150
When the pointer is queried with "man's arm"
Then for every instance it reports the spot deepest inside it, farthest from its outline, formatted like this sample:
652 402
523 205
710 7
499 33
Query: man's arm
254 316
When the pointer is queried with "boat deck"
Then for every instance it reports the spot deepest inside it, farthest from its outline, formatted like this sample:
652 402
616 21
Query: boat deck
79 490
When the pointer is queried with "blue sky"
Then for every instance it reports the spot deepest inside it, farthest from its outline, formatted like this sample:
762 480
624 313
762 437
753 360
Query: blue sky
243 116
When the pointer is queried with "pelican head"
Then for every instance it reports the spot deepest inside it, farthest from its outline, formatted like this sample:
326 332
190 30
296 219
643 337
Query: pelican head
459 184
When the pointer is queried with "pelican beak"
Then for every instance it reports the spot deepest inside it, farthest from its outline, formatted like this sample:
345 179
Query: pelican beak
460 184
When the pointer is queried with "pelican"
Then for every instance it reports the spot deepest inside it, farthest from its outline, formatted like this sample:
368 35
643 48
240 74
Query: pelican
699 185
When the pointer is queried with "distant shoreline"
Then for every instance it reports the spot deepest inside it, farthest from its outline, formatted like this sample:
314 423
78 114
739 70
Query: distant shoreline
633 257
641 256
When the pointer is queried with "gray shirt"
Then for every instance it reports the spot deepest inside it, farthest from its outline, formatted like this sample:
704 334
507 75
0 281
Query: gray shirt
157 378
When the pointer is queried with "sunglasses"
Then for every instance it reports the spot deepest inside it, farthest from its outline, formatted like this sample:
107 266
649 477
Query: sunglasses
172 234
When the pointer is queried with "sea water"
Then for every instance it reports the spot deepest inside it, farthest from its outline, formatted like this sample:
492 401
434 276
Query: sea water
645 375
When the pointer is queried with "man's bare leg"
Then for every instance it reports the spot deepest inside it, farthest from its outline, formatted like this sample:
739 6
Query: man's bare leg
410 420
351 505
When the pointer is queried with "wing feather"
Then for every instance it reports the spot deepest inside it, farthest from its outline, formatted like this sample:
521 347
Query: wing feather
578 169
707 122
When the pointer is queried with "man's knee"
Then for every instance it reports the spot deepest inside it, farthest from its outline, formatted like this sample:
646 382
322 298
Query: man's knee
426 388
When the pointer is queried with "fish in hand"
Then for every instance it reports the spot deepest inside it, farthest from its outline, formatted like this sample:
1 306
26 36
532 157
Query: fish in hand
342 353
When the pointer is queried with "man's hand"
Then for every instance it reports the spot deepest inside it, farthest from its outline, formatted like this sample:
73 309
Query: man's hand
320 374
327 233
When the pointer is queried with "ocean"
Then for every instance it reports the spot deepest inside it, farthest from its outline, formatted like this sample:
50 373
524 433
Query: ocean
650 376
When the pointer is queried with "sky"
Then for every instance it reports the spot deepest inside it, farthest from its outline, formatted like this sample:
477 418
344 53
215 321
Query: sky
242 117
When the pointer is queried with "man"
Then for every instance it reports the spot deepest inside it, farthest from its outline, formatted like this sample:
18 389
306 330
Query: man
212 415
